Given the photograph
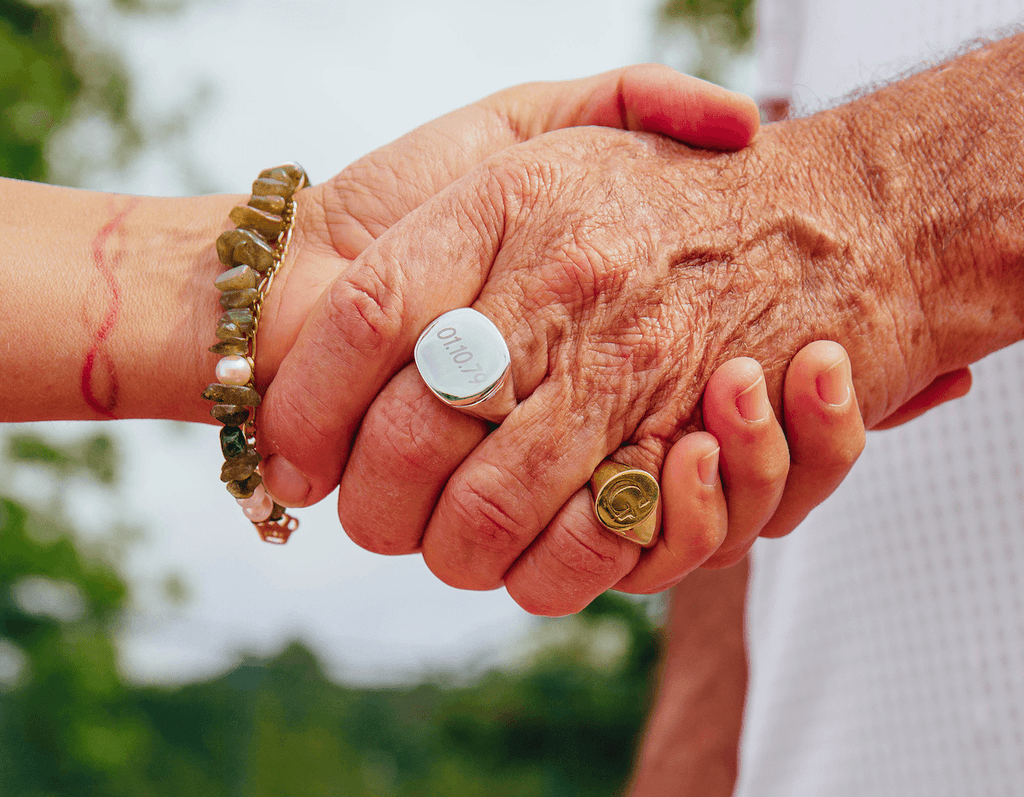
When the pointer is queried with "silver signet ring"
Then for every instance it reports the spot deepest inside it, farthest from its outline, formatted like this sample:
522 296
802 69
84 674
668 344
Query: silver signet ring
465 362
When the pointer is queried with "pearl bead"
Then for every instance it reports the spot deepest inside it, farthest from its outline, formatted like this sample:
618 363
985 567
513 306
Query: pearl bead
253 500
234 370
260 512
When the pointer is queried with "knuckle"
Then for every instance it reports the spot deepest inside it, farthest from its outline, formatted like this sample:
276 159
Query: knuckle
367 534
489 514
726 557
573 273
703 544
364 313
395 432
775 530
509 185
596 559
527 179
545 604
763 475
837 450
848 448
586 267
298 421
773 472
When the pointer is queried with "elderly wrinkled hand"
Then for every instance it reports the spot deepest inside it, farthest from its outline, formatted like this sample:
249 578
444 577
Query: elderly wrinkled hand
616 267
341 217
621 270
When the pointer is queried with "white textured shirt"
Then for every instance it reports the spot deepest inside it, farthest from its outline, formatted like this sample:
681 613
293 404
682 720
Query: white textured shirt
886 633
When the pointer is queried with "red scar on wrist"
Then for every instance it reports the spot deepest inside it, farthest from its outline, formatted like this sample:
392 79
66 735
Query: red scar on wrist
99 377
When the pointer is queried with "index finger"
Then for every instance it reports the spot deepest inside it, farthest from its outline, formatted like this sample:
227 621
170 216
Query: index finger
362 331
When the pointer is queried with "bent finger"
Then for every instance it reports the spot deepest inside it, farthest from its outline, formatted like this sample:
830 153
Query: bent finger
694 516
362 331
570 563
824 428
408 446
755 457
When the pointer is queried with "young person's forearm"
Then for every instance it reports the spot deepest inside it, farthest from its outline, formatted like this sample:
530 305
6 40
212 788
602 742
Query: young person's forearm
108 304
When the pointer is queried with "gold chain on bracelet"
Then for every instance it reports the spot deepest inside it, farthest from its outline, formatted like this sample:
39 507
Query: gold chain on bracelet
253 252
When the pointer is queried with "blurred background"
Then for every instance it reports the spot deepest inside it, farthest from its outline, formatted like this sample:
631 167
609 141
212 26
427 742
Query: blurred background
149 643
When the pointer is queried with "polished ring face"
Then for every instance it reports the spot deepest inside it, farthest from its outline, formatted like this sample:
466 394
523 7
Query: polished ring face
465 361
625 500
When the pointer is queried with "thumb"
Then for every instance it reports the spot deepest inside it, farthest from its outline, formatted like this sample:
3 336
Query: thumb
379 189
651 98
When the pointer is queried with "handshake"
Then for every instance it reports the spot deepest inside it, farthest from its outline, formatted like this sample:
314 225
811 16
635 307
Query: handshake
621 249
676 293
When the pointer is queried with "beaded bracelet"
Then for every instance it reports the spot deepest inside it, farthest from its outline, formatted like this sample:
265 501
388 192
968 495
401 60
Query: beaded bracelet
252 251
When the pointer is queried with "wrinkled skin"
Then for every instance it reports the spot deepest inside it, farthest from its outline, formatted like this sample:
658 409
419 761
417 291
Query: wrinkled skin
338 219
622 269
616 320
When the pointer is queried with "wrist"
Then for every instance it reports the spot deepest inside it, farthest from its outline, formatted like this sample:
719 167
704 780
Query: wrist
842 274
172 307
940 163
109 299
691 743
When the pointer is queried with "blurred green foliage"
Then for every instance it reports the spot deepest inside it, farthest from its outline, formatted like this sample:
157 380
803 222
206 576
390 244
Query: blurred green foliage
564 721
704 37
38 83
735 18
561 722
54 73
559 726
94 455
67 720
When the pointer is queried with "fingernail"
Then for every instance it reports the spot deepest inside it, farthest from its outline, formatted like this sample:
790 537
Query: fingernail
752 403
834 384
707 468
285 482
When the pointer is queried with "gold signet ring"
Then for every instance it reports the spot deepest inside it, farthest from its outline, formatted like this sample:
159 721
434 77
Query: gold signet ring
625 501
464 360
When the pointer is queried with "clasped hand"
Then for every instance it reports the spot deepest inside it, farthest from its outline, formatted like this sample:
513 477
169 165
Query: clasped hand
625 279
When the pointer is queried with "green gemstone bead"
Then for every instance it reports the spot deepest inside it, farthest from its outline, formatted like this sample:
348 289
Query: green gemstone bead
230 300
242 317
254 252
228 331
226 243
230 346
267 186
246 487
241 467
245 247
268 204
232 394
230 414
232 442
287 173
235 279
269 225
